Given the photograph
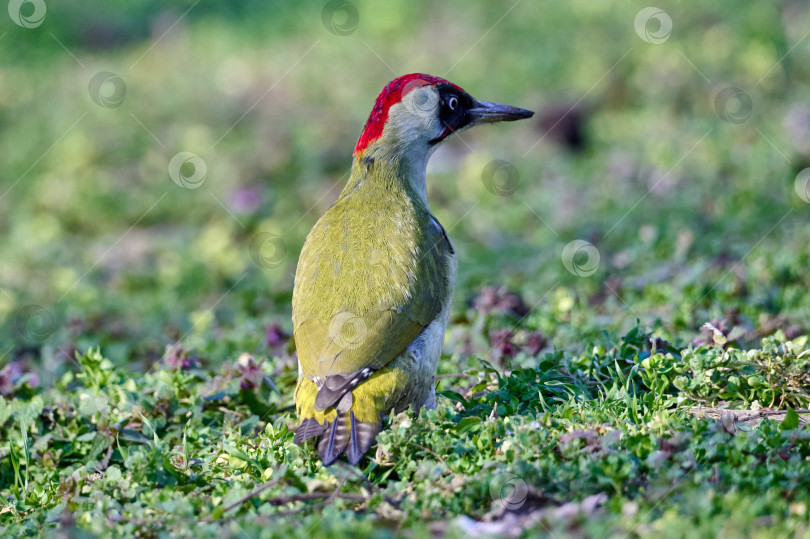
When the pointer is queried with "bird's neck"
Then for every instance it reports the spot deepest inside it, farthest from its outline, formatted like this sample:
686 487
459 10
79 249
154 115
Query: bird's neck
399 174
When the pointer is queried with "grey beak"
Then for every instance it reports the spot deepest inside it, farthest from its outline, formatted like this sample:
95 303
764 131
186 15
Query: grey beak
485 112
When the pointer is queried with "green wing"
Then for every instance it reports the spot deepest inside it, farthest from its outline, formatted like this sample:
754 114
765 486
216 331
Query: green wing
377 278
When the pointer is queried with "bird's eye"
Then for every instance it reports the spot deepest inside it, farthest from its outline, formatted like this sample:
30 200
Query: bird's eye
452 102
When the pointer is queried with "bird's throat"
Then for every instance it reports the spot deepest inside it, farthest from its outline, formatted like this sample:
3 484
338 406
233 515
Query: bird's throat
392 173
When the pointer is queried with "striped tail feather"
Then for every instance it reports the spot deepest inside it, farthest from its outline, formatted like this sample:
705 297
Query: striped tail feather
335 439
346 435
309 428
362 436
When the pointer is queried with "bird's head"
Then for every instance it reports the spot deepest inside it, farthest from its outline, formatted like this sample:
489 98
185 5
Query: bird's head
415 112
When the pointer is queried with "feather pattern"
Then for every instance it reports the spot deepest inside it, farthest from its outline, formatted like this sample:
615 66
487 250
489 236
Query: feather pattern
309 428
334 442
363 435
337 385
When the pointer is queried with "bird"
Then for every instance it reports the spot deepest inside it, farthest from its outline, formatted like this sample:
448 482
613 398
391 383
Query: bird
376 274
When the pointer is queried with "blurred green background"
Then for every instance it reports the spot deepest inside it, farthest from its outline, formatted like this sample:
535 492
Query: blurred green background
674 151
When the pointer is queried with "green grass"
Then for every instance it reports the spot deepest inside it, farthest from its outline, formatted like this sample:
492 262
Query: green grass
569 390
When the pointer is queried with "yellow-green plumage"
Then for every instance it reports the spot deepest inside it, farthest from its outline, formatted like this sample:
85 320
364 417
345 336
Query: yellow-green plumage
373 274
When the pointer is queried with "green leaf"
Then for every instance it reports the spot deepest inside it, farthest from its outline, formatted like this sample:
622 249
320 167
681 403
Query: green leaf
26 451
468 424
155 438
238 453
217 513
791 420
121 449
15 463
100 444
87 437
453 396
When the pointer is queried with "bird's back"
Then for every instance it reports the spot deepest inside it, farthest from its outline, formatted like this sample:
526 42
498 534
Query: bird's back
381 273
378 276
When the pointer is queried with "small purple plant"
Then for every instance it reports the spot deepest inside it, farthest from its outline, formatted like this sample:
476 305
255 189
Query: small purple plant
251 373
11 375
176 358
497 299
275 337
245 200
502 345
535 341
8 375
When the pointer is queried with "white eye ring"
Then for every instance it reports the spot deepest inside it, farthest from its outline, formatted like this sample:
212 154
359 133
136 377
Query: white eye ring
452 102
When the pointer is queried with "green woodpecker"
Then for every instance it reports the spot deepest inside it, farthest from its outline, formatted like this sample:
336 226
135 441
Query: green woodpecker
376 274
